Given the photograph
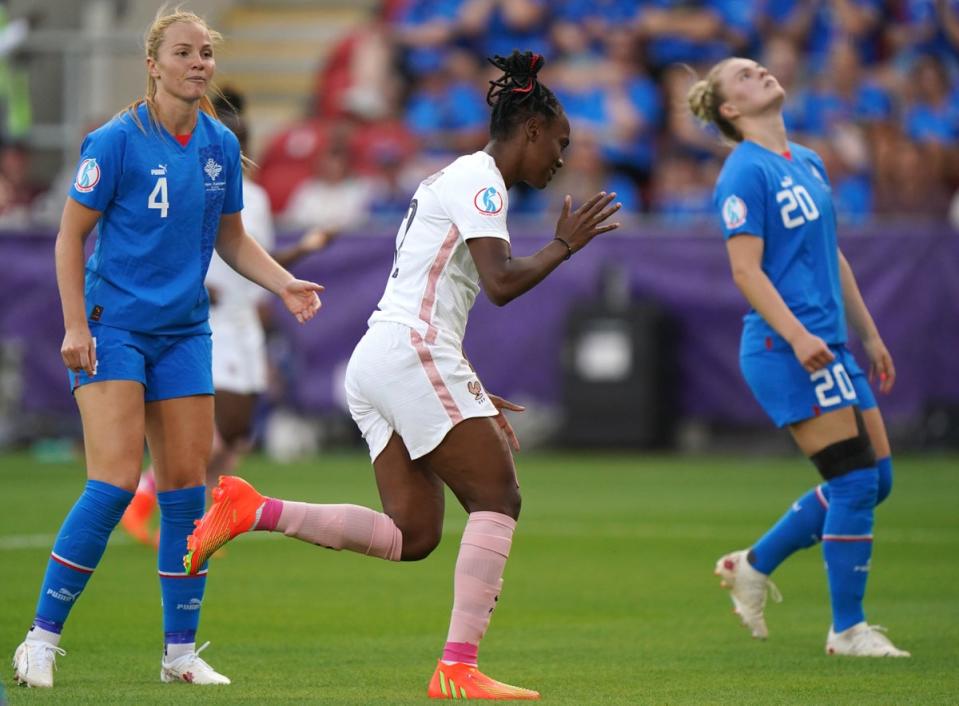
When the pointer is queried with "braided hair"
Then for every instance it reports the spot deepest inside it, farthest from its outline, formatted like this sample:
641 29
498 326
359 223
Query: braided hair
518 94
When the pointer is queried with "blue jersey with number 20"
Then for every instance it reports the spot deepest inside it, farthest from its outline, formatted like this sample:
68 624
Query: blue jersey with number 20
787 203
161 205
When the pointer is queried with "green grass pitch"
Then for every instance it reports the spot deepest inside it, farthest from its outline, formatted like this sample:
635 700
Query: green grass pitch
609 596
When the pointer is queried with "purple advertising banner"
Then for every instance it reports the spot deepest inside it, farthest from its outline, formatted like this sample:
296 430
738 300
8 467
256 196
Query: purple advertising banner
910 281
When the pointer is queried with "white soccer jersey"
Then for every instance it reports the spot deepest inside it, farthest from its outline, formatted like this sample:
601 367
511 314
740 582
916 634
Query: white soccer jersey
434 282
237 297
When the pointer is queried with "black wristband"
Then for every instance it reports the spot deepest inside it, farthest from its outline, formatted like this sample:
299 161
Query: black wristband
569 250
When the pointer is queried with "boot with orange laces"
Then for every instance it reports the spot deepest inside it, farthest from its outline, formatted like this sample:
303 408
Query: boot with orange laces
235 510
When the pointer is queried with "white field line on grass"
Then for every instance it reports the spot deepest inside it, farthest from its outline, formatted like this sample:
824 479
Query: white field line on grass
911 535
13 542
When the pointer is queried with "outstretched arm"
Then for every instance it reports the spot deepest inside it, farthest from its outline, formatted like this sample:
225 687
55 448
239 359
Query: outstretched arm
505 277
246 256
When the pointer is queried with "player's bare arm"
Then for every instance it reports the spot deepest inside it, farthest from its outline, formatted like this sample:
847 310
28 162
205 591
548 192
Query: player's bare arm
246 256
745 260
881 365
505 277
76 223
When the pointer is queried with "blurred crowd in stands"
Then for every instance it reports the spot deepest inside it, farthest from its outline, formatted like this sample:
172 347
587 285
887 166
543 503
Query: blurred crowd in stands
872 85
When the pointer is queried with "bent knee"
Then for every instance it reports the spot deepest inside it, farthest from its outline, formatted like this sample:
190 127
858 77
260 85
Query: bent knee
508 503
514 504
418 545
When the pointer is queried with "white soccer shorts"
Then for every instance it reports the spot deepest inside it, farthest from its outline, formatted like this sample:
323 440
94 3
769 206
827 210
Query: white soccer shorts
395 381
239 358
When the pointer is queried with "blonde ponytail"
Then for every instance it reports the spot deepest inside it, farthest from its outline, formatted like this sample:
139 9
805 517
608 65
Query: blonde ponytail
705 98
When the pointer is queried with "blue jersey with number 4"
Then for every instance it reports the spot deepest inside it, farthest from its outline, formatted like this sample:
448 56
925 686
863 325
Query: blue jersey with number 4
787 203
160 205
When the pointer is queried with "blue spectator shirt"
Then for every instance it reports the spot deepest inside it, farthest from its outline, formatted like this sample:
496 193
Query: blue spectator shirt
928 123
923 14
609 11
824 30
588 109
160 206
818 111
499 38
736 15
787 203
644 95
458 107
422 60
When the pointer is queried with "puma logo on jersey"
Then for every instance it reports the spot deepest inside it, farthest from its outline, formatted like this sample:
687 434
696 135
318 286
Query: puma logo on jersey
159 171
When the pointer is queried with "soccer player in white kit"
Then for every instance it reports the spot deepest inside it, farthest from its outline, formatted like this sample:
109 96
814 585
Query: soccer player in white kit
421 407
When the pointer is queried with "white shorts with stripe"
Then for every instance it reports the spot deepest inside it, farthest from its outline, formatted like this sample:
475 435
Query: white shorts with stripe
239 357
396 381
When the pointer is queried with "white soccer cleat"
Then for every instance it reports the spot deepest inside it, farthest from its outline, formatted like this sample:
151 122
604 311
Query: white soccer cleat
34 662
190 668
862 640
747 587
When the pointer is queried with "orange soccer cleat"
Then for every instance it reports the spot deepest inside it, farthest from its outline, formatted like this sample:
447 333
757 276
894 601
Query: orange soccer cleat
136 518
233 512
464 681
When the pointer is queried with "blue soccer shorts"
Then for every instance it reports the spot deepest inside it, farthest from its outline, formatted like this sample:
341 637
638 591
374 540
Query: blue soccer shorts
790 394
166 366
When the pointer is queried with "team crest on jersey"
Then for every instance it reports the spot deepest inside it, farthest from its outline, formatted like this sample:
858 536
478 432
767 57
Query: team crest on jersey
734 211
476 389
211 162
488 201
212 169
88 176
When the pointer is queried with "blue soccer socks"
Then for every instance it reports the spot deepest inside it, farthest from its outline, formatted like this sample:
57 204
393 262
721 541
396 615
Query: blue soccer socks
79 545
884 466
847 543
182 594
802 525
799 528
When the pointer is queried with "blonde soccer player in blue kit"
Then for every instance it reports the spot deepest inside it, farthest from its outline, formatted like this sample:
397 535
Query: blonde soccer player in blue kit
777 215
162 181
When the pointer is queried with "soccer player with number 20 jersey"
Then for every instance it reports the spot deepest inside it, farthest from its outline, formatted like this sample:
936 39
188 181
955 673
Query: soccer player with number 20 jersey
777 214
